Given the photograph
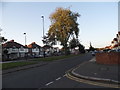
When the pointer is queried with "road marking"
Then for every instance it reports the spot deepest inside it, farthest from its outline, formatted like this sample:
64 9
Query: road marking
49 83
91 82
64 75
58 78
77 66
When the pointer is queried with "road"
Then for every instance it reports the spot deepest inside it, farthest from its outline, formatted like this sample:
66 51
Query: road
51 75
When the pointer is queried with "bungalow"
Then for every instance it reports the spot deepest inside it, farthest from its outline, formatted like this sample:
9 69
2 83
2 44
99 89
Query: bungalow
34 49
13 50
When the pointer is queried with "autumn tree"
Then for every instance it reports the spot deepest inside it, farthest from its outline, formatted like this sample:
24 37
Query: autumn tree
63 26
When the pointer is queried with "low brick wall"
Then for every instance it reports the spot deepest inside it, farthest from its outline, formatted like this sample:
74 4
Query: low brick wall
108 58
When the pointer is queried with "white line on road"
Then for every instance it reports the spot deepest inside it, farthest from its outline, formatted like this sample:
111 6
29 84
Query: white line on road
64 75
49 83
58 78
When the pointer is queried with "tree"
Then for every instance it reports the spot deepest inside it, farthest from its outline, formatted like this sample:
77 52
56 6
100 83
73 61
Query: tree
75 43
2 40
91 48
49 40
81 48
63 25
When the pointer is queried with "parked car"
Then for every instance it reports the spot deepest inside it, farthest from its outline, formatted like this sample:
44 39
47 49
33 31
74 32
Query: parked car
118 50
94 52
47 54
41 55
112 51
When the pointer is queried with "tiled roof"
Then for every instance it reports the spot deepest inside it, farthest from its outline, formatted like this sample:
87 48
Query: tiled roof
33 45
11 44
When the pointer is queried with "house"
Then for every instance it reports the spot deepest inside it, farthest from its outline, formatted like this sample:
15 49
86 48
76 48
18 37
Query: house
48 49
34 49
74 50
108 47
13 50
56 49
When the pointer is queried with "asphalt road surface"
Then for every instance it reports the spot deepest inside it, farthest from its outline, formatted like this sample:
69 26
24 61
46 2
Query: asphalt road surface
51 75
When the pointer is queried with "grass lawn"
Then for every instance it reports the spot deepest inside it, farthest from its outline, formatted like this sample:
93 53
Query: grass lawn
15 64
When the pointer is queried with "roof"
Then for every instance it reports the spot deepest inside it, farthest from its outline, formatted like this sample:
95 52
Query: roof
33 45
11 44
109 47
47 46
116 45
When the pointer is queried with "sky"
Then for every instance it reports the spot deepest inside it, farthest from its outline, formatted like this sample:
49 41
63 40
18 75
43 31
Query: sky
98 22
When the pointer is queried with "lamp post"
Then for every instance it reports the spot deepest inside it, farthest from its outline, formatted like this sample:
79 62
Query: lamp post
43 36
43 24
25 37
25 45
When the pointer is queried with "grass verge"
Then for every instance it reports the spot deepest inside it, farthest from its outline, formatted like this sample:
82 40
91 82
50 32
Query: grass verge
34 61
15 64
55 58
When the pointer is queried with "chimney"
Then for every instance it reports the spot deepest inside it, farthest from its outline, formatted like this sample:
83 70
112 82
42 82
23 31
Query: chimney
11 40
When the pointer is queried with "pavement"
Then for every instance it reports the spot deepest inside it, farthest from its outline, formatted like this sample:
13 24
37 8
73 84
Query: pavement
91 70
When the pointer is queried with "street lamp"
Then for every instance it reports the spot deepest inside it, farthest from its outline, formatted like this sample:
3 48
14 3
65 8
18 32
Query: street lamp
25 37
43 24
43 35
25 46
